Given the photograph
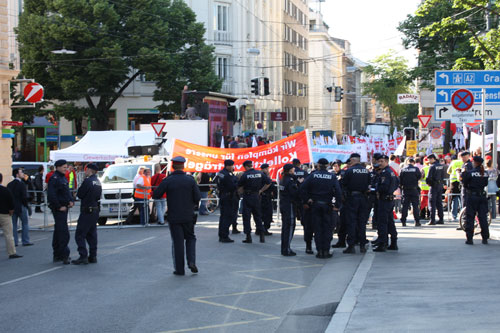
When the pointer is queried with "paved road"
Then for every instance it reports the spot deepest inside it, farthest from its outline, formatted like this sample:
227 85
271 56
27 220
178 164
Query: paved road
435 283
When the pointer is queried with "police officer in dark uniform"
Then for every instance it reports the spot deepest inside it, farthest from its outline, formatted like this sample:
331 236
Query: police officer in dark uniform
289 200
356 182
317 192
86 229
227 186
303 214
252 183
435 179
408 179
60 200
183 195
374 173
267 201
386 185
343 214
475 182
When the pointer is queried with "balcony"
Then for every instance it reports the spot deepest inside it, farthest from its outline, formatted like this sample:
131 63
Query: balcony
227 86
222 38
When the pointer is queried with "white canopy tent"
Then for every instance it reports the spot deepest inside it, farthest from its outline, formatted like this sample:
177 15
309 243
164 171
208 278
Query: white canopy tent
103 146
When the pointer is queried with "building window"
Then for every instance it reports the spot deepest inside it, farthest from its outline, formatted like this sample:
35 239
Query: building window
221 18
294 113
222 67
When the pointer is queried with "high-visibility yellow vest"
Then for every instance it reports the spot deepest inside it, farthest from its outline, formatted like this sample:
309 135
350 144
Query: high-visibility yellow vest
423 183
454 166
71 180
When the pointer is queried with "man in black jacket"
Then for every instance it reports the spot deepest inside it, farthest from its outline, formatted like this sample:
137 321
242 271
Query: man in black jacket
18 189
183 195
6 211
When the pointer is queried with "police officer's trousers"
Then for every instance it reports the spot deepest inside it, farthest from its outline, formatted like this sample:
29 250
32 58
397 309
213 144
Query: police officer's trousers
322 219
342 226
86 230
436 202
357 211
410 197
267 210
287 210
60 238
374 204
236 207
385 221
306 221
477 205
251 206
181 232
226 214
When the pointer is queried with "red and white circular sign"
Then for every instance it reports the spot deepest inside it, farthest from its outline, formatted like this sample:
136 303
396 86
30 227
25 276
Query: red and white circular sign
33 93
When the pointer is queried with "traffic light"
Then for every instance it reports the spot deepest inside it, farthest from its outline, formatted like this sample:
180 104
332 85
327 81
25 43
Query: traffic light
266 86
330 89
339 94
255 86
410 133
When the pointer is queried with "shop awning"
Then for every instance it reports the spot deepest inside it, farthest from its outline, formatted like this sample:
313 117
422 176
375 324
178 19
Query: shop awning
103 146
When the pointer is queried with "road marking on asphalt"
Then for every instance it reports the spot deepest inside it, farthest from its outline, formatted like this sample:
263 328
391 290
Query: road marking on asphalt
135 243
29 276
267 316
221 325
346 306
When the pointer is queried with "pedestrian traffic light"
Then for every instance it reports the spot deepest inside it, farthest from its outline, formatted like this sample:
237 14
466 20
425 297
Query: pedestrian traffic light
255 86
266 86
339 94
410 133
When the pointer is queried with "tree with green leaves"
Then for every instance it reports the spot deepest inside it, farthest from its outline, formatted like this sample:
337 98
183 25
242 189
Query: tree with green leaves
389 76
116 43
439 50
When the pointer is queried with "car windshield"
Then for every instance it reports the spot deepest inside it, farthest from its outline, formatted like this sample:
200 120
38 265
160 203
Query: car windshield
120 173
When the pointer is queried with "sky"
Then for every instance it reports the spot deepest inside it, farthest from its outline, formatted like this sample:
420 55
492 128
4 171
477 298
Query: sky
370 25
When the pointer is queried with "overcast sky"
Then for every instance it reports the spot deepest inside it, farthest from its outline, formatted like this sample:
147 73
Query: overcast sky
370 25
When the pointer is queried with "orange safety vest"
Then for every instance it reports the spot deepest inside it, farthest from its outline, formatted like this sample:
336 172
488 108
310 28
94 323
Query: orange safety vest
144 193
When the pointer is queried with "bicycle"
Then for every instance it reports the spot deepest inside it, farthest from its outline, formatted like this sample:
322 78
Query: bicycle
212 200
462 217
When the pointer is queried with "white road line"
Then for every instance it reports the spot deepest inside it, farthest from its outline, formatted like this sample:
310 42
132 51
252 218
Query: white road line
346 306
135 243
29 276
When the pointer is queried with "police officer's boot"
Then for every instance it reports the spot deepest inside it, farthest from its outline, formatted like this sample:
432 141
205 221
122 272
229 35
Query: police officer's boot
417 224
350 249
469 239
393 246
381 247
80 261
403 223
248 239
262 237
309 248
339 244
92 260
320 254
327 254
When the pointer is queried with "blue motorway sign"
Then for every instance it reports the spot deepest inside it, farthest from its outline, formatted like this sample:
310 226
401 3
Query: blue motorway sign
443 95
463 79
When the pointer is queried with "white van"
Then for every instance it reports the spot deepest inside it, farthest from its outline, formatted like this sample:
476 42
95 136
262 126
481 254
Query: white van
117 185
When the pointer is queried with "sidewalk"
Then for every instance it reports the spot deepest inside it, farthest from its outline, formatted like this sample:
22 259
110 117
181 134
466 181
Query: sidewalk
434 283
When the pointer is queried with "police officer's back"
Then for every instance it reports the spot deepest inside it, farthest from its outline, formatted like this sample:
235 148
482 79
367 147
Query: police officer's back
318 191
60 200
435 180
227 186
475 182
252 183
86 230
409 178
356 183
183 195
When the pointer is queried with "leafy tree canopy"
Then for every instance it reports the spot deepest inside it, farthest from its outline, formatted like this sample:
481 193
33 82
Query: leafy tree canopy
116 42
389 75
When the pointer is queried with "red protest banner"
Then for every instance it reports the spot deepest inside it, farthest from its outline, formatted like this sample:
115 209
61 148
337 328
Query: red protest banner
277 154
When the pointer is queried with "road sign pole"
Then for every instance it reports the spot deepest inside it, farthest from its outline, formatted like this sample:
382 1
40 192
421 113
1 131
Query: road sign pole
494 151
483 118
